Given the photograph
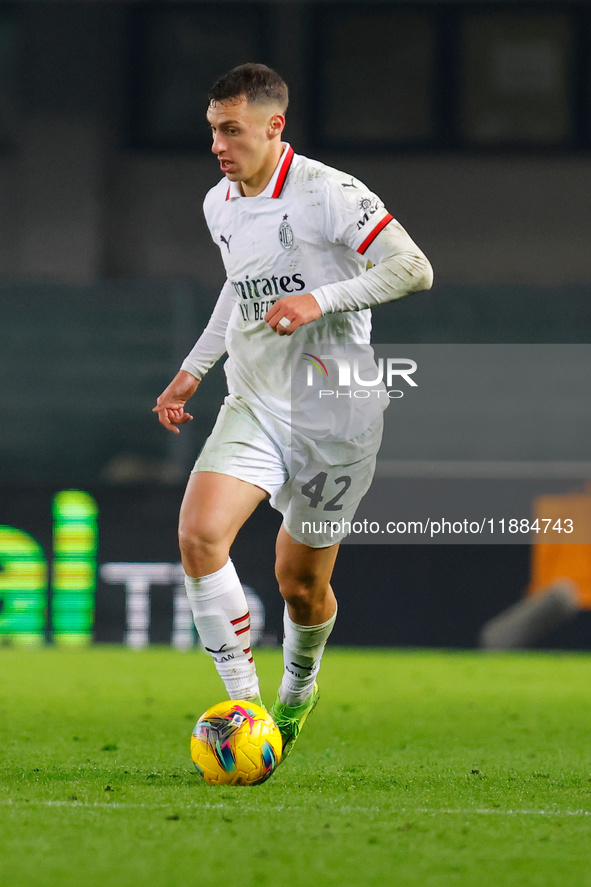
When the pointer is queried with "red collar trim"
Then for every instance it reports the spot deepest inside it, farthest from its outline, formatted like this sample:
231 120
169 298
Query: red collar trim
281 175
284 169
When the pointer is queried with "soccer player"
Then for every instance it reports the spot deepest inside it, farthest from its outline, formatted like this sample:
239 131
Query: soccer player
307 251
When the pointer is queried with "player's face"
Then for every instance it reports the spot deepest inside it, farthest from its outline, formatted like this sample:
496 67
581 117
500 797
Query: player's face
246 140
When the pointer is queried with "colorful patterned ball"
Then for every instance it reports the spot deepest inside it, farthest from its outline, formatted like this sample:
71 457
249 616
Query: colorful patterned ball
236 743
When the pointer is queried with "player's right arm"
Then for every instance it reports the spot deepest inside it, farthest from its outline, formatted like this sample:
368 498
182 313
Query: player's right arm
170 406
210 346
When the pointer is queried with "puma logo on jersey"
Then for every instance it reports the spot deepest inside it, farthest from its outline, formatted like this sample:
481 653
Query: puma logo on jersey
350 184
227 242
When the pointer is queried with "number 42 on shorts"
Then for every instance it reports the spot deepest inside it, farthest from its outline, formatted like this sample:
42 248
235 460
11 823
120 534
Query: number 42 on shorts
314 489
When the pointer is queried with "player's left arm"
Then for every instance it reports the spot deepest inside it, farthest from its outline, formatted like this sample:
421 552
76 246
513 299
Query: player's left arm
398 267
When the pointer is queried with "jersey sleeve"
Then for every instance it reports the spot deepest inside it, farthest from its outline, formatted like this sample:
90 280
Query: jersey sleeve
357 218
211 344
355 215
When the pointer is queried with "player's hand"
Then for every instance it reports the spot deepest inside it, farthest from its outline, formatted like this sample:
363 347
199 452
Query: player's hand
170 406
298 310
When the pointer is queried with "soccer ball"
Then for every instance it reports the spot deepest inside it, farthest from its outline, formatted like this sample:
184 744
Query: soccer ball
236 743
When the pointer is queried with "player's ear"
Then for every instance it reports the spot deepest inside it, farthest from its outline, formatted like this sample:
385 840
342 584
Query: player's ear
276 125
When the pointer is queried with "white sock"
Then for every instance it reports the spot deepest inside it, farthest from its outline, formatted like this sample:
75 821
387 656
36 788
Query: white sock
303 646
222 620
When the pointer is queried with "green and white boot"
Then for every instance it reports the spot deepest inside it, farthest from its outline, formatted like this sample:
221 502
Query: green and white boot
291 718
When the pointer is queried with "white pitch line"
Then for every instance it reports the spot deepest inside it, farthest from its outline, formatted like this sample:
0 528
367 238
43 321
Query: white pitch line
495 811
427 811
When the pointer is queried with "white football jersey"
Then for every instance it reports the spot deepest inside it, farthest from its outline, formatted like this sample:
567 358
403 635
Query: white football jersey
311 226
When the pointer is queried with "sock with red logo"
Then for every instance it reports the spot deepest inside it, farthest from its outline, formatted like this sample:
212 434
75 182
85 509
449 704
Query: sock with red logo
222 619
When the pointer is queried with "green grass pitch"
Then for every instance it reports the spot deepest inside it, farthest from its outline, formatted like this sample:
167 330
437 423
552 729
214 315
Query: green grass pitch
417 768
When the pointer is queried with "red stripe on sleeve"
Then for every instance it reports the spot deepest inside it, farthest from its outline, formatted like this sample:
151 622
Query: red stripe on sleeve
283 172
372 236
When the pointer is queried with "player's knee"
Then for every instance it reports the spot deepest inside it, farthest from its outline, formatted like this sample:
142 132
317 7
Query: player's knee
299 588
298 596
199 543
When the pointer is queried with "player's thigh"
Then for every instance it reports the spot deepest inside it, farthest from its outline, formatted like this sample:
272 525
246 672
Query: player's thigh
240 446
215 506
237 468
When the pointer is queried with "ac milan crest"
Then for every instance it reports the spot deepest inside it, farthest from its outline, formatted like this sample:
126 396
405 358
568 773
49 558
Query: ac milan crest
285 234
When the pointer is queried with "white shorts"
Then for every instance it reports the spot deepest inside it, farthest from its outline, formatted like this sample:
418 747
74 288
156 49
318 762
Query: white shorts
316 485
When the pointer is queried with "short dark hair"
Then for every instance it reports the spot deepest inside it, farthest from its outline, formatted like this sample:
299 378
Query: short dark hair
257 82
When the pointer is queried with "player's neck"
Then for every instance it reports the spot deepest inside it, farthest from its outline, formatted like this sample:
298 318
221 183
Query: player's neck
257 183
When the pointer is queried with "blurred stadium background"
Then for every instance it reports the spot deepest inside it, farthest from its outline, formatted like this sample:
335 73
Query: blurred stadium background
473 123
